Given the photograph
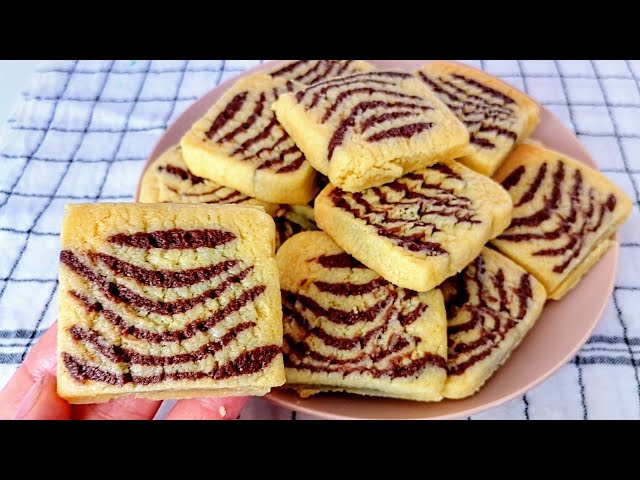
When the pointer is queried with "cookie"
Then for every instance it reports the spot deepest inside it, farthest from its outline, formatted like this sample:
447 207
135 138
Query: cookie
419 229
347 329
564 215
292 220
308 72
240 143
367 129
496 114
149 189
169 180
491 305
167 301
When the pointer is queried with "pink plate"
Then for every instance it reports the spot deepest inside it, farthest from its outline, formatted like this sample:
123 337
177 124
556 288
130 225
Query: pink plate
559 333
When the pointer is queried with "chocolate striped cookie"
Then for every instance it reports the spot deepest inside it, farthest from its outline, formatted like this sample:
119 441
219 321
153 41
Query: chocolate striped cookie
309 72
240 143
496 114
292 220
370 128
347 329
167 301
564 215
419 229
169 180
491 305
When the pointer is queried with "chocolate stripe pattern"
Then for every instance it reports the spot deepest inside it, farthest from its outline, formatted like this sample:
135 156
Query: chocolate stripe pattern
285 229
309 72
157 314
374 315
371 105
556 210
295 219
178 185
246 129
340 260
406 210
487 113
482 308
246 363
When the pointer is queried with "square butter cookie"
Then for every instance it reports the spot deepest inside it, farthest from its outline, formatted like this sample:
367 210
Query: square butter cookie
370 128
491 305
419 229
563 218
167 301
496 114
169 180
239 143
348 329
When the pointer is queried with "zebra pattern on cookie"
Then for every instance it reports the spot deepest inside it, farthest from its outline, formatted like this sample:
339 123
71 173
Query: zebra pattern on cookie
111 284
564 213
173 182
490 306
413 210
419 229
486 112
309 72
366 129
346 327
372 105
246 128
146 309
496 115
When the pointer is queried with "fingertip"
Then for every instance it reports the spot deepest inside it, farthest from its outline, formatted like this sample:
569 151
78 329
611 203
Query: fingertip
210 408
126 408
37 372
41 402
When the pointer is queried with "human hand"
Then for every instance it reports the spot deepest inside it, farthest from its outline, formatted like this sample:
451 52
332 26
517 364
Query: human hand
31 395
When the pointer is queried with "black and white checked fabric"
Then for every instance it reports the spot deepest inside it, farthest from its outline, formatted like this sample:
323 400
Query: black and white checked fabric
82 130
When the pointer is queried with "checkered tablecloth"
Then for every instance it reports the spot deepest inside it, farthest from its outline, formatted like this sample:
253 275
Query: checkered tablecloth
82 130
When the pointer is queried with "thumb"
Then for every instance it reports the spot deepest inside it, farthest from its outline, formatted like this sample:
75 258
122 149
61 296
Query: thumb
41 402
31 391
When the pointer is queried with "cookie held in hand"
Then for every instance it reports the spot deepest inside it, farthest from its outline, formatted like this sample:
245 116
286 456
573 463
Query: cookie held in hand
167 301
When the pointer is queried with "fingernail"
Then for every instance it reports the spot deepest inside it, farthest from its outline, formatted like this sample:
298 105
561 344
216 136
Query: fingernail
29 400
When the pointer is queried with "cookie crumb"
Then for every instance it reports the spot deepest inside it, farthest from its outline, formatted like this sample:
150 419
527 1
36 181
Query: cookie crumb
222 411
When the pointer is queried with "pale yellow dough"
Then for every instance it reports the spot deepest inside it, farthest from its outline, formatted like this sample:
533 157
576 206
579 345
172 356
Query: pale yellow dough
558 233
370 128
126 283
346 329
491 305
437 221
497 115
240 144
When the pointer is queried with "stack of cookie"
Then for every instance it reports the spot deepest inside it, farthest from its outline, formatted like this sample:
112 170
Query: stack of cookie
405 269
